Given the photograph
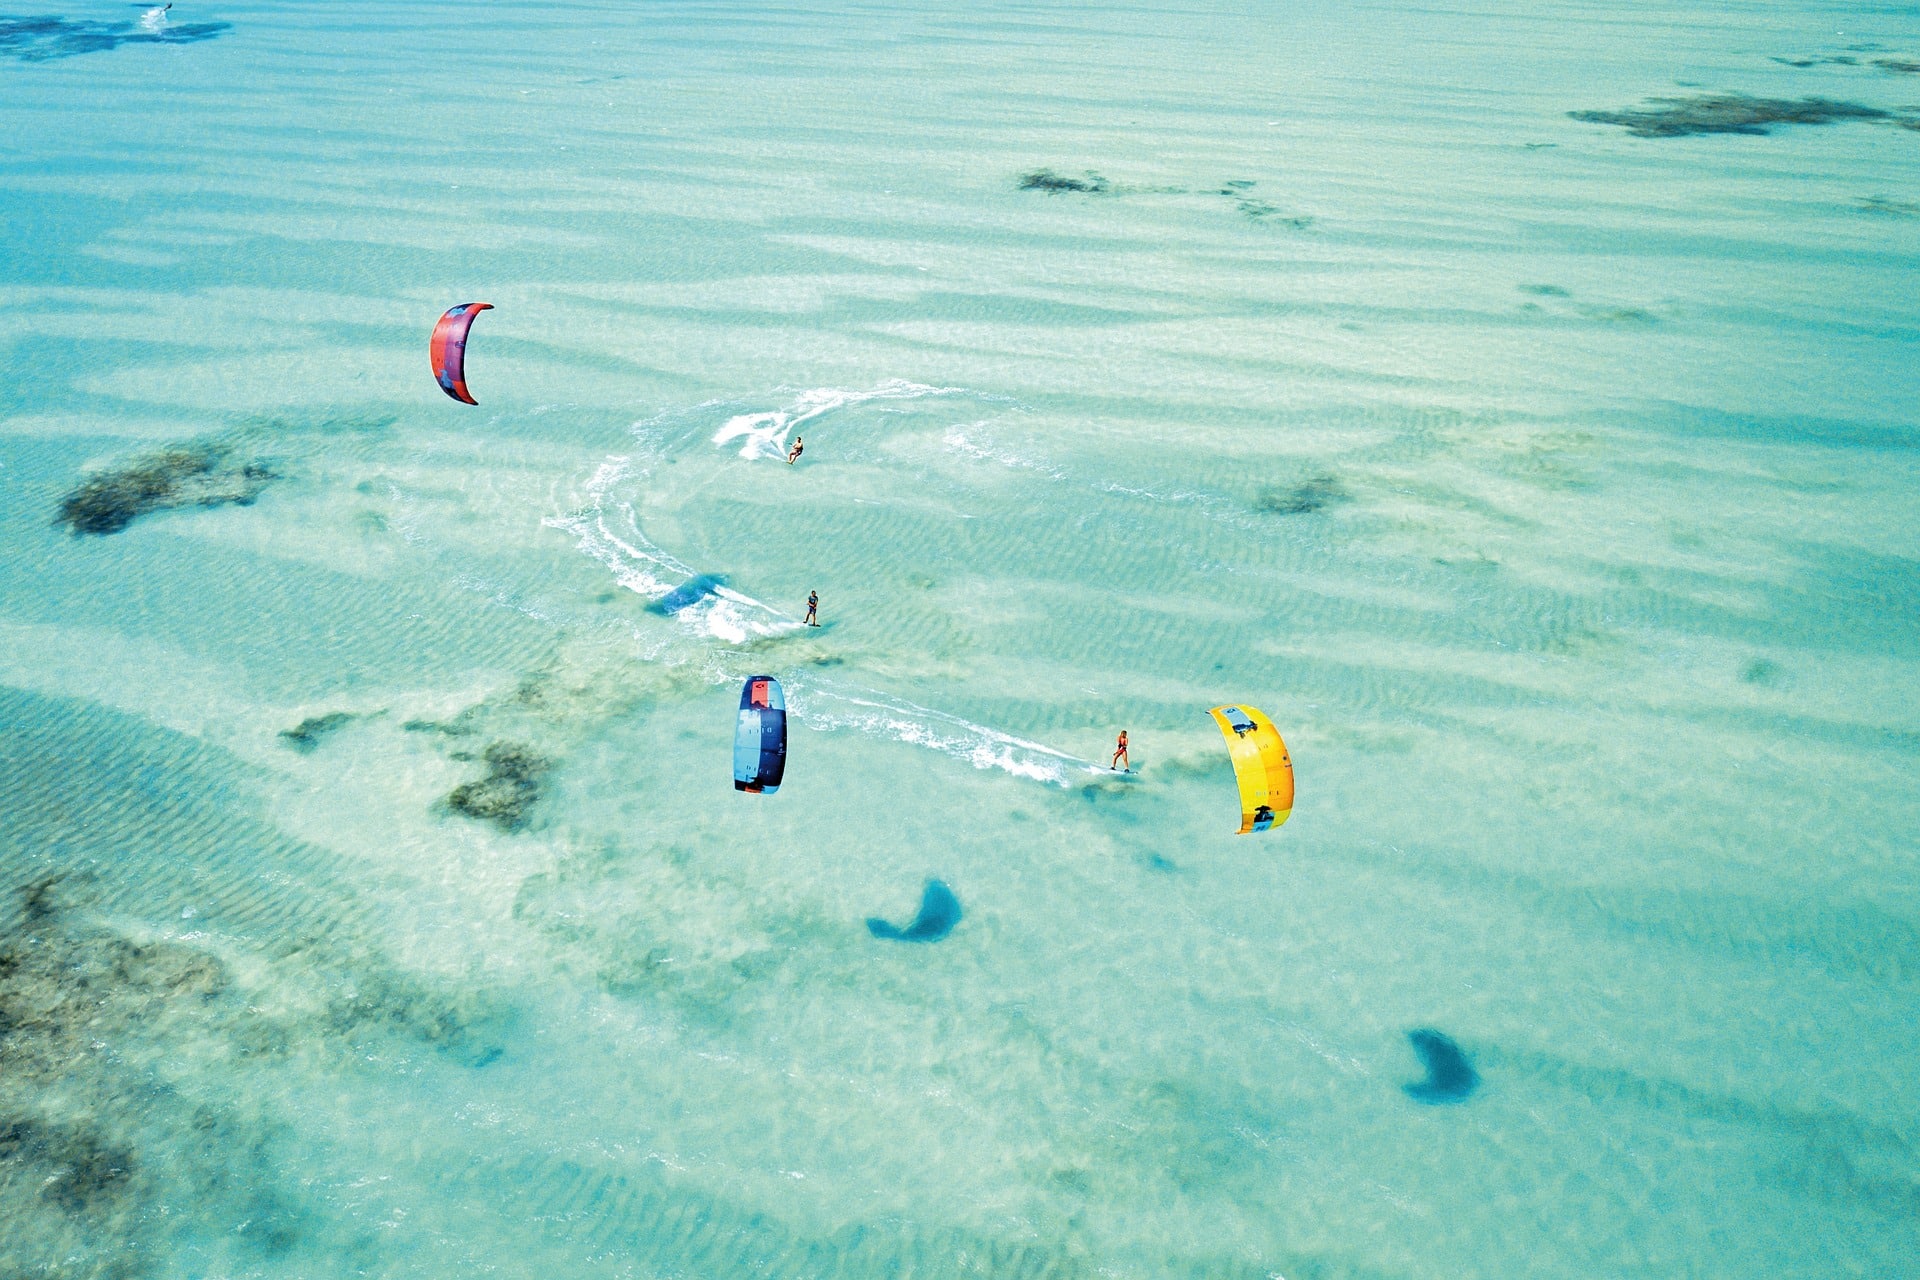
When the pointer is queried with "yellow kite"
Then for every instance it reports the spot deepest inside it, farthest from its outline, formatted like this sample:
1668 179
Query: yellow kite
1260 766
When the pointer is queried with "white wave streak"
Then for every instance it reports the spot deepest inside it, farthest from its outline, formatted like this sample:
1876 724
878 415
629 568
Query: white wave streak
635 562
643 568
730 616
983 448
976 744
764 435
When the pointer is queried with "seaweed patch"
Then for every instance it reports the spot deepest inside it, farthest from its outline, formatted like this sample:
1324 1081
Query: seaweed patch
1305 498
307 735
1240 191
199 474
1898 66
107 1116
1053 183
42 39
510 789
1727 113
1888 206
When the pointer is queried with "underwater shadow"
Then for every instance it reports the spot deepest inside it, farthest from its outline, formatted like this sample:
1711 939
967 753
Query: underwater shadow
46 37
939 913
1450 1077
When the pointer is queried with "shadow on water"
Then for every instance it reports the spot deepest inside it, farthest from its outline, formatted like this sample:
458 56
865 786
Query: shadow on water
687 594
939 913
1311 495
1450 1077
46 37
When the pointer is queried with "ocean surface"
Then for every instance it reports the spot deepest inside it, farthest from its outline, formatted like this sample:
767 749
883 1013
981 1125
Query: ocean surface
376 900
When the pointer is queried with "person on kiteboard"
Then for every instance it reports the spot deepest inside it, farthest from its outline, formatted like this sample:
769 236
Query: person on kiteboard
813 608
794 453
1120 753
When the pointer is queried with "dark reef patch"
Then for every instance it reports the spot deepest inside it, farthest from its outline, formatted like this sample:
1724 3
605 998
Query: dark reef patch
1727 113
1305 498
199 474
307 735
464 1028
109 1122
77 1171
510 789
460 726
939 913
1238 190
1450 1077
1898 66
44 38
1054 184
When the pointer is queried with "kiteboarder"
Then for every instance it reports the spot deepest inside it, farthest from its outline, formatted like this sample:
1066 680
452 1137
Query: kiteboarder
794 453
813 608
1120 753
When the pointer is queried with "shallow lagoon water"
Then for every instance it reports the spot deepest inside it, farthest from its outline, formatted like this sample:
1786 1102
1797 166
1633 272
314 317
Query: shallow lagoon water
1551 487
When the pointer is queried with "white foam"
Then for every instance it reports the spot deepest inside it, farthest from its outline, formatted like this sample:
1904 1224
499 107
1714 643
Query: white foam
645 569
764 434
155 19
827 708
636 563
977 446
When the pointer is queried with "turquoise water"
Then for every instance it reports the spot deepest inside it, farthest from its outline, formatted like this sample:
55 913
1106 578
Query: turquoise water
1552 488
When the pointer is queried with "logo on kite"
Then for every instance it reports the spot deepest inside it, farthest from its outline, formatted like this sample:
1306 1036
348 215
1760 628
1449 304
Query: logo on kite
760 737
1260 767
449 349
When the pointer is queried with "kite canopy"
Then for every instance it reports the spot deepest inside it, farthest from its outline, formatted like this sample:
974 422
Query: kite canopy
449 349
760 737
1260 766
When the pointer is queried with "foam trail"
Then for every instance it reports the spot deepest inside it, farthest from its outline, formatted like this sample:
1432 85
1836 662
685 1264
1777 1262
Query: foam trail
702 603
978 745
764 435
959 441
636 563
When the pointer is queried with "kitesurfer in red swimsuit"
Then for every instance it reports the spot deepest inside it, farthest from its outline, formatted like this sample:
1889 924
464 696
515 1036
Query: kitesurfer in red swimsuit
1120 753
